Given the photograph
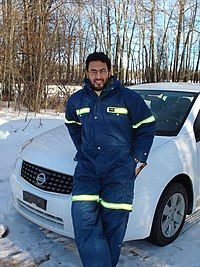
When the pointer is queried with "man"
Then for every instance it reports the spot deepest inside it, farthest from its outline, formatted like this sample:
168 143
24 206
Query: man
112 129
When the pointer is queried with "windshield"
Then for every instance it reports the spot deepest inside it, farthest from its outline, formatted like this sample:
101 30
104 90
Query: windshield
169 108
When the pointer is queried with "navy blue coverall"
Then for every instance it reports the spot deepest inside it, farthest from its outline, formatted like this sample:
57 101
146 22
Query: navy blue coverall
109 131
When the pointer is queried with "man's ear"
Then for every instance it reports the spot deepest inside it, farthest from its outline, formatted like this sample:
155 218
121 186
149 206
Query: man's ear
86 74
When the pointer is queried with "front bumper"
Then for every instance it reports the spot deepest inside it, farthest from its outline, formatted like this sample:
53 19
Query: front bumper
56 217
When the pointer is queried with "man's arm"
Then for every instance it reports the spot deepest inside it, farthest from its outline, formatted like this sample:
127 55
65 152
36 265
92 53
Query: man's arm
143 124
73 124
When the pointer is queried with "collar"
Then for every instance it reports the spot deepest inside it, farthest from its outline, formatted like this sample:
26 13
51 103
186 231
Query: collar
113 84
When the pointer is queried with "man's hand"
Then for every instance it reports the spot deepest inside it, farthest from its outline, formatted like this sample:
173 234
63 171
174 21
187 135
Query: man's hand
139 167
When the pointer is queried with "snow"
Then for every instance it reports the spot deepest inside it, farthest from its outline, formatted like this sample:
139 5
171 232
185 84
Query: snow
29 245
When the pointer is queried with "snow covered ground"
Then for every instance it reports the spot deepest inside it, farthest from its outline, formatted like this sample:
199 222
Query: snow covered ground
29 245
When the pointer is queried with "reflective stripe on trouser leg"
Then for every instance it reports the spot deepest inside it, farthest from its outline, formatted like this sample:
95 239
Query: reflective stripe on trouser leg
91 242
116 206
84 197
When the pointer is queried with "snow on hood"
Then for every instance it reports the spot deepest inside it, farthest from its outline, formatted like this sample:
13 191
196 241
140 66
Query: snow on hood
54 150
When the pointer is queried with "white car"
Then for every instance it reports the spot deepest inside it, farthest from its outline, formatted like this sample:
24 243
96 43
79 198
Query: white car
166 190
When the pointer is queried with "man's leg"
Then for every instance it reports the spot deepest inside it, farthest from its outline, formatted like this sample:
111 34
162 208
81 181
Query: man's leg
115 222
91 242
116 202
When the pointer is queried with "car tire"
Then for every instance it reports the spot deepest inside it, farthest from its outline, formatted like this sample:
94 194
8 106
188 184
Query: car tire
169 215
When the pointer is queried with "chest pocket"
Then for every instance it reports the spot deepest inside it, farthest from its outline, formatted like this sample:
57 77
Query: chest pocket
118 117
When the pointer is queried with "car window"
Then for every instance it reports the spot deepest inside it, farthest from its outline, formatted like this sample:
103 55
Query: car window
169 108
197 127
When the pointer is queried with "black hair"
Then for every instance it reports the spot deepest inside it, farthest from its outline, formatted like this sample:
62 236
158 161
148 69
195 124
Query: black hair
98 56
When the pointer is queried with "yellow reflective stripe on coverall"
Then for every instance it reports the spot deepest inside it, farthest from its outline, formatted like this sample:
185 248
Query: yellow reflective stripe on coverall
116 206
69 122
82 111
147 120
85 198
108 205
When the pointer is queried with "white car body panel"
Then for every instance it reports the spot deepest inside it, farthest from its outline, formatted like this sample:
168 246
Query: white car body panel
169 157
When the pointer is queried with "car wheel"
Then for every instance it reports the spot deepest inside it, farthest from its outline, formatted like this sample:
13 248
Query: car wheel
169 215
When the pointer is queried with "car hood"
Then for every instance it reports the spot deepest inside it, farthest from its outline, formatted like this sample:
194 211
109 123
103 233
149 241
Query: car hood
54 150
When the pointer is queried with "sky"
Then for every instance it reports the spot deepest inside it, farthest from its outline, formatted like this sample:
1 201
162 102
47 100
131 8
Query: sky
29 245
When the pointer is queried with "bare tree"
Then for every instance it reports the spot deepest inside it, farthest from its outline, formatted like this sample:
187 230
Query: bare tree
8 18
44 42
181 4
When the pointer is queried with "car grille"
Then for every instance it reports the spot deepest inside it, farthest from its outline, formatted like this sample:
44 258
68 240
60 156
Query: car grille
46 179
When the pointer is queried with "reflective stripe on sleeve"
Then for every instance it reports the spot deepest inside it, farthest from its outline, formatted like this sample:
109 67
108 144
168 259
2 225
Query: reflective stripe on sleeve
148 120
82 111
117 110
69 122
116 206
85 198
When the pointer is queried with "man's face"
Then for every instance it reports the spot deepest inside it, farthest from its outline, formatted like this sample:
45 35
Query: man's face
98 75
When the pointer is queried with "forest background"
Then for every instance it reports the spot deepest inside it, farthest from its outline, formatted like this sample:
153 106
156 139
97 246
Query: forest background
46 42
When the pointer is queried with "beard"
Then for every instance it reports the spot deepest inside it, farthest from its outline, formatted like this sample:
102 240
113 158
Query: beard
99 84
